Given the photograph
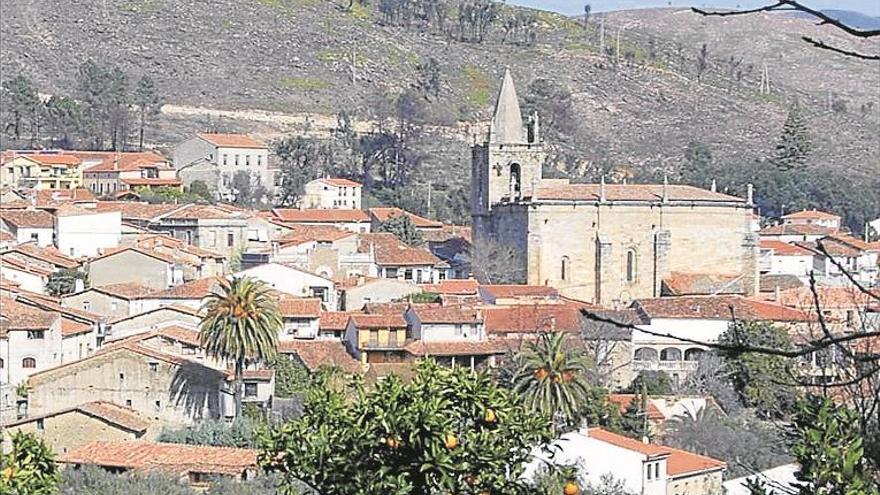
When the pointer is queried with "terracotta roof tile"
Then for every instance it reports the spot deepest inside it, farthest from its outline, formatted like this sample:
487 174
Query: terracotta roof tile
175 458
18 316
623 402
43 158
689 284
109 412
334 320
453 287
829 298
678 462
458 348
811 215
531 318
447 314
510 291
378 321
299 307
225 140
32 219
317 353
384 214
49 254
631 192
718 308
181 334
648 449
136 211
448 233
146 252
796 229
340 182
111 161
151 182
299 234
321 216
25 266
784 249
171 307
195 289
389 251
71 327
54 196
125 290
197 211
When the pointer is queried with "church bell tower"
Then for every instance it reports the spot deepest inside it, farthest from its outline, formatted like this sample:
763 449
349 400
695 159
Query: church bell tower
507 166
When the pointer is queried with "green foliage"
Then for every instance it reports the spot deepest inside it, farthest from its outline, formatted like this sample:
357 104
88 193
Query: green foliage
92 480
551 480
829 447
219 433
424 297
651 383
199 188
745 442
22 106
28 468
64 281
634 422
759 378
300 161
305 83
795 143
291 376
447 431
404 229
240 324
146 97
64 117
249 191
551 378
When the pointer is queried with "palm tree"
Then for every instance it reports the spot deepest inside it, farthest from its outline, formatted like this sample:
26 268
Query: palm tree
551 377
240 324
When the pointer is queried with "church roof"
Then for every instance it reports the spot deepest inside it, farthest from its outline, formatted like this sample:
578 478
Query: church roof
507 124
630 192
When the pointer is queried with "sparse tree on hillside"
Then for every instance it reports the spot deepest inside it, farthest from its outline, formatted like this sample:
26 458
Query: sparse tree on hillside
795 143
496 263
146 97
22 106
300 161
702 61
428 78
587 10
404 229
64 117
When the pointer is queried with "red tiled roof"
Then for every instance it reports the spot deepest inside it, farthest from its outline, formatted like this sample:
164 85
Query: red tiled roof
197 211
389 251
378 321
51 196
340 182
299 307
829 298
384 214
334 320
151 182
507 291
195 289
136 211
688 284
299 234
71 327
111 161
65 159
648 449
125 290
811 215
466 287
162 241
25 266
182 334
109 412
223 140
718 308
29 219
17 316
138 455
784 249
631 192
146 252
796 229
458 348
447 314
623 402
317 353
172 307
49 254
531 318
682 462
321 216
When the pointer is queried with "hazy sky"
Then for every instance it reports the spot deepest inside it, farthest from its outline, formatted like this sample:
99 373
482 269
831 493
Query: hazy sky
870 7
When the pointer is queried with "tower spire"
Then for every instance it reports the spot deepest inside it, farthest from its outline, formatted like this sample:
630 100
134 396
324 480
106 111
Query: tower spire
507 123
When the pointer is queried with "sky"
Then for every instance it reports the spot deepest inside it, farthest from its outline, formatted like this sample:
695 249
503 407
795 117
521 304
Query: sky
869 7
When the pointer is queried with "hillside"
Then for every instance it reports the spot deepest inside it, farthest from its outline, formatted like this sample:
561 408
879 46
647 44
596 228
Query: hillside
284 66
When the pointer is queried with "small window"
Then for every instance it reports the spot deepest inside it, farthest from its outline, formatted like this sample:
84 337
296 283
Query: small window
86 305
41 424
157 406
247 160
29 363
34 236
230 239
225 159
408 274
250 389
564 268
127 402
657 470
259 160
630 266
650 472
122 377
36 334
154 367
236 160
114 306
2 363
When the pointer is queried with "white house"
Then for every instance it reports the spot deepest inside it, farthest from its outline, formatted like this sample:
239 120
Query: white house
300 317
812 217
297 282
779 476
29 225
858 258
332 193
81 232
215 157
643 468
445 324
780 258
28 276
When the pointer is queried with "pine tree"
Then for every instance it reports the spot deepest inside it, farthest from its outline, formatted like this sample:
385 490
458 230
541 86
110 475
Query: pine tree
795 143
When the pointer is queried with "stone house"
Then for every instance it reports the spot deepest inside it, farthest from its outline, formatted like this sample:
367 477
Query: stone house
111 173
631 236
315 354
29 225
453 335
213 227
47 258
135 265
166 387
30 341
505 295
197 262
332 193
214 158
377 338
363 291
152 320
68 429
645 468
196 465
113 301
326 251
27 276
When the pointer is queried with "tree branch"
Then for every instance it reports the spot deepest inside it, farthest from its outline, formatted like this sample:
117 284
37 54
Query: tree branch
848 53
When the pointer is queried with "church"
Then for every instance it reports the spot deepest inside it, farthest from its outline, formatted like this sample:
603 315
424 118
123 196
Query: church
605 243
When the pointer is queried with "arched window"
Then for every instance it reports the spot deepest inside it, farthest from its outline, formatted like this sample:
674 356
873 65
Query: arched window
630 266
670 354
2 363
693 354
645 354
515 180
565 268
29 363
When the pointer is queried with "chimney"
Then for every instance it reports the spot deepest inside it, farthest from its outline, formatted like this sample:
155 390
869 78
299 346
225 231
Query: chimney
665 188
750 194
714 187
777 296
602 196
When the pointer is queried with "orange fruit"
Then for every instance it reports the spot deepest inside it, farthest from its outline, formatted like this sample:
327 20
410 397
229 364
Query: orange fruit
7 473
571 488
451 441
541 373
490 416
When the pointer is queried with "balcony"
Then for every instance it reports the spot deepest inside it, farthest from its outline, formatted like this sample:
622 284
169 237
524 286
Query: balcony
673 366
376 345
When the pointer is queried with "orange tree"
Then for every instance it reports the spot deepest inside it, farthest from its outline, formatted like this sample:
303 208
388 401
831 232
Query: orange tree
446 431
